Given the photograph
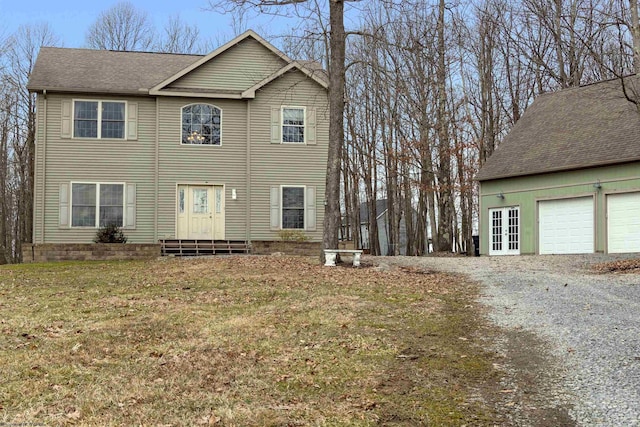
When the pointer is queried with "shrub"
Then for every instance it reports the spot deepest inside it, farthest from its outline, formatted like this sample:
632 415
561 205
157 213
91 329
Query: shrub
292 236
110 233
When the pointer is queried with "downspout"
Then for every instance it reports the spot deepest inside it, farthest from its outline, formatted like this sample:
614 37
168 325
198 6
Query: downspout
43 170
248 176
156 176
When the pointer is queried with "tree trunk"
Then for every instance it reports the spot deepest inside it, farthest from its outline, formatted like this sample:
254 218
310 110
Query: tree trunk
336 124
445 233
635 32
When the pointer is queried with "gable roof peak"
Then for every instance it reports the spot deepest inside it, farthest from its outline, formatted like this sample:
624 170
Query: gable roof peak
263 41
217 52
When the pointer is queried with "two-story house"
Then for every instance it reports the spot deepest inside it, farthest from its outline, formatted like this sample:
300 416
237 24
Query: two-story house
227 146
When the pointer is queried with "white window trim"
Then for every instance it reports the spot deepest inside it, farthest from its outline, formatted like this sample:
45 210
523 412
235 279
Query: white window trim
304 206
181 124
304 126
97 184
99 135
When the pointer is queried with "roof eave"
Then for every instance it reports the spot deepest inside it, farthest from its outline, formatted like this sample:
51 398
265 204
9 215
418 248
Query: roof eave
40 89
559 169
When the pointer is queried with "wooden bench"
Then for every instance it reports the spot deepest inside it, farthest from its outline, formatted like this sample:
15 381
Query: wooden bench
330 256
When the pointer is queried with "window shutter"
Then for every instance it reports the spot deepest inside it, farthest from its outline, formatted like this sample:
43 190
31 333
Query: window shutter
310 208
131 206
132 121
275 208
276 127
65 129
63 220
310 130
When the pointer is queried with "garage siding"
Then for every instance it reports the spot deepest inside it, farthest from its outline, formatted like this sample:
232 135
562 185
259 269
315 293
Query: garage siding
601 184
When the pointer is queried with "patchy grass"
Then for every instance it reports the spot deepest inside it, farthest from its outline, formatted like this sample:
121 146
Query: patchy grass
239 341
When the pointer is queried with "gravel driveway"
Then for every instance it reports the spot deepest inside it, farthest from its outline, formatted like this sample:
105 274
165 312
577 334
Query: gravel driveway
588 323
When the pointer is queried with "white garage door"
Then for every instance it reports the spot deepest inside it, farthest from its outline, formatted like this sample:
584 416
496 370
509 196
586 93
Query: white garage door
566 226
623 223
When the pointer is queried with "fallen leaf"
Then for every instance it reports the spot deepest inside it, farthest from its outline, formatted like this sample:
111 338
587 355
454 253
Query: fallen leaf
75 415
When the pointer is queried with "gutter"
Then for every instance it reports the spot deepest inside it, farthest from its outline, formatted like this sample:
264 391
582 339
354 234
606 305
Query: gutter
85 90
156 174
43 171
248 176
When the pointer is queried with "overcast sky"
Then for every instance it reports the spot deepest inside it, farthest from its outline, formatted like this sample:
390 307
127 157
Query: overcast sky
71 18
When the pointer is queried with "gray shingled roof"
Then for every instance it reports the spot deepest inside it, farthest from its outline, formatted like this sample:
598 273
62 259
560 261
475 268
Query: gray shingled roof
107 71
575 128
104 71
381 207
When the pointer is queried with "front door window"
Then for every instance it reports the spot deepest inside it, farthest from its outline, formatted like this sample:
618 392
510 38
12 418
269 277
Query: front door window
218 200
200 201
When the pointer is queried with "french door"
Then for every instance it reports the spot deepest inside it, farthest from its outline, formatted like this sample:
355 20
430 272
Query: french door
504 231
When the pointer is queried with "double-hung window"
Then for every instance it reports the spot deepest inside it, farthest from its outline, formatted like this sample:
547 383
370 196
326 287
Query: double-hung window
293 207
293 125
97 204
99 119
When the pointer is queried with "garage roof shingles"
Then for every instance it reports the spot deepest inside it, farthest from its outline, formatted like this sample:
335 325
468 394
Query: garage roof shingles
87 70
576 128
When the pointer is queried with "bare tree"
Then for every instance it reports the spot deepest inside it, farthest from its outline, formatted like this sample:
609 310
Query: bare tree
239 21
178 37
17 137
635 33
121 27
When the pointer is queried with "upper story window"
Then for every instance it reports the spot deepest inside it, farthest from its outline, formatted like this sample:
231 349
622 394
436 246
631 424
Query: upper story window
201 124
99 119
293 125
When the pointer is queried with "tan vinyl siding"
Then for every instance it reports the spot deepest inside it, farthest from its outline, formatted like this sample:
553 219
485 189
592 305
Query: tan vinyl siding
202 164
238 68
97 160
286 164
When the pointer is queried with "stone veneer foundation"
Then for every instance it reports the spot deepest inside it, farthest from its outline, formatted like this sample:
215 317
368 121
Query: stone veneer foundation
46 252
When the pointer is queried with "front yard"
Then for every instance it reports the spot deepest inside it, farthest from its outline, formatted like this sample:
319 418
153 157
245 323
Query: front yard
238 341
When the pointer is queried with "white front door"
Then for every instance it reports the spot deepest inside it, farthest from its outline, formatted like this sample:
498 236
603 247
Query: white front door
504 231
200 215
200 212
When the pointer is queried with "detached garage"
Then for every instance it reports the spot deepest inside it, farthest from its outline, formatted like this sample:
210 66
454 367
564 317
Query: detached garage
570 171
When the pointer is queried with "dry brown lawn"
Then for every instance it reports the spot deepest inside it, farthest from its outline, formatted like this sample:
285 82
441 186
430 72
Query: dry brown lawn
240 341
